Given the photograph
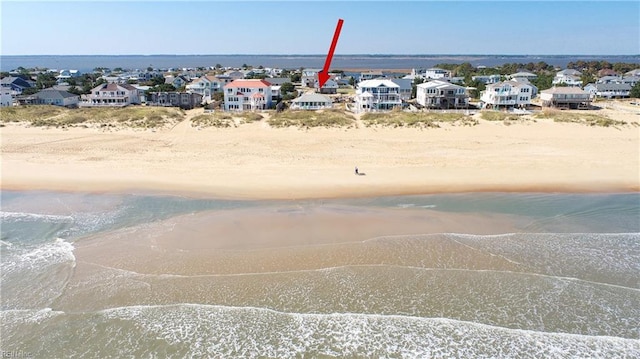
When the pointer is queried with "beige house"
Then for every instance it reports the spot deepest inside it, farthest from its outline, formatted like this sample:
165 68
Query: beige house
311 101
566 97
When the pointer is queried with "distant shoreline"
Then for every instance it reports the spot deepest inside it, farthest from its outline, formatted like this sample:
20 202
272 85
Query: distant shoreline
86 63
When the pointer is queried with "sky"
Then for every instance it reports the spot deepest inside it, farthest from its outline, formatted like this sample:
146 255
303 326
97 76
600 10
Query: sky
306 27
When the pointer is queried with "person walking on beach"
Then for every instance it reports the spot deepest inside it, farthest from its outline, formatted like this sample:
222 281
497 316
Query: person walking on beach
356 169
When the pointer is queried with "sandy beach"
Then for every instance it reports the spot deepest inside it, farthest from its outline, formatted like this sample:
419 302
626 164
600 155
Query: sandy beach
257 161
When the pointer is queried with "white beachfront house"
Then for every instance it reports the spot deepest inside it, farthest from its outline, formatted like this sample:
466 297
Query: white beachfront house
377 95
442 95
569 77
111 95
507 94
247 95
207 85
311 101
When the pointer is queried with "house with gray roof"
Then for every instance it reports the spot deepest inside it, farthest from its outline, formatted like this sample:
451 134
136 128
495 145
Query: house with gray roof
15 84
311 101
608 90
522 74
55 97
329 88
566 97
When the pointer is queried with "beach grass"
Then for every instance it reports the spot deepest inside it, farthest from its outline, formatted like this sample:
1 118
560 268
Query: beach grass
133 116
310 119
224 119
498 116
29 113
585 118
419 119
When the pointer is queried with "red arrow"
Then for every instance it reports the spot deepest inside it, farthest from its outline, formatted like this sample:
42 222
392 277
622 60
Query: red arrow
323 75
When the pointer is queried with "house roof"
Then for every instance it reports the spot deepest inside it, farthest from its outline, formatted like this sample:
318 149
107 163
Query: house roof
252 83
523 74
257 95
569 72
439 85
613 87
278 80
312 97
378 83
50 93
564 90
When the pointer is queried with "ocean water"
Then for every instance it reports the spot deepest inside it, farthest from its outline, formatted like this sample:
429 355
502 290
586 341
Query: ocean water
86 63
482 275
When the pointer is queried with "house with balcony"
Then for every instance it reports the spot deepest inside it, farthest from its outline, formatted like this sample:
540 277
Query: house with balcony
247 95
566 97
184 100
111 95
15 84
507 94
55 97
207 85
377 95
438 94
608 90
311 101
309 77
405 88
569 77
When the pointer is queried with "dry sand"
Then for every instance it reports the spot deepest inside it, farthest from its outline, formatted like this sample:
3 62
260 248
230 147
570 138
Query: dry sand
256 161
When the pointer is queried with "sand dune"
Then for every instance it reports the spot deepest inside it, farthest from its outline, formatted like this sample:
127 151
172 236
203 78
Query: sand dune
257 161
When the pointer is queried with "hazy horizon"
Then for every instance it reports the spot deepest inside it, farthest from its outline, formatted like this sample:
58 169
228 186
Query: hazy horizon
299 27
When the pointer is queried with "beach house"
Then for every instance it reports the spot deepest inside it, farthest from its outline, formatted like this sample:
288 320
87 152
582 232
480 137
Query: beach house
609 90
507 94
111 95
329 88
441 95
377 95
15 84
311 101
569 77
247 95
55 97
207 85
5 97
184 100
309 77
487 79
436 73
566 97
